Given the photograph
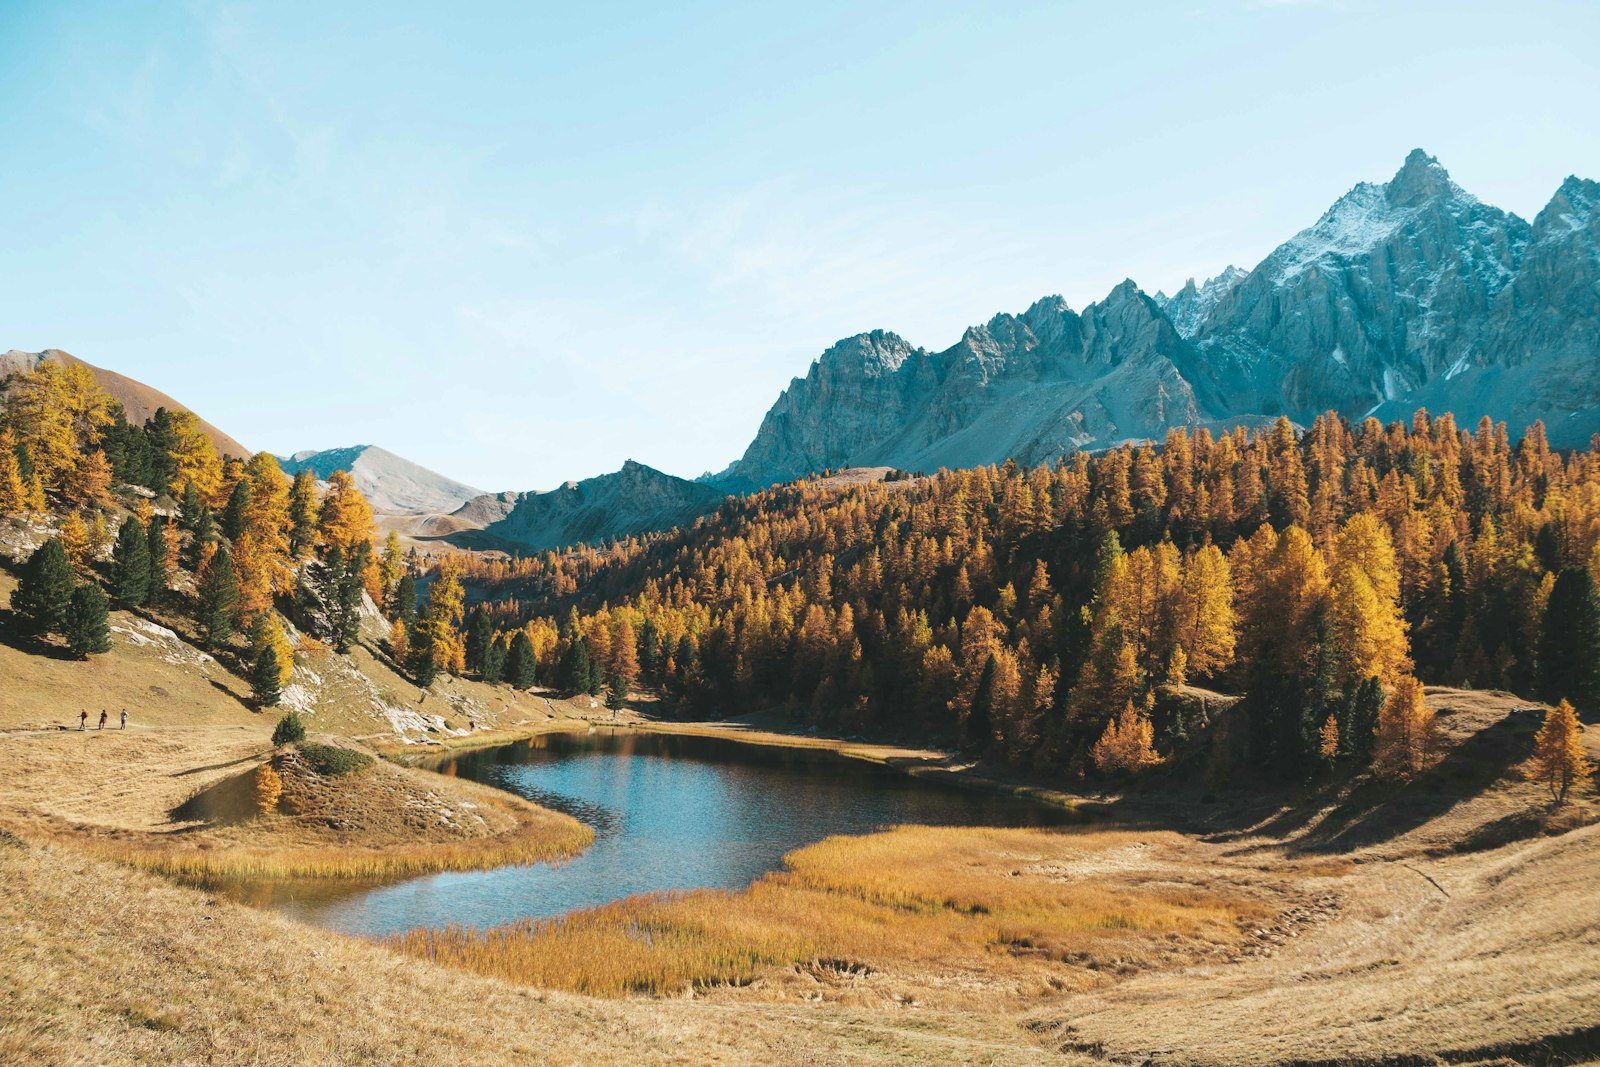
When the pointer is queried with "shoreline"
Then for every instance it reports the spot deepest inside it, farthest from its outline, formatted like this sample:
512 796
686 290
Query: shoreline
927 764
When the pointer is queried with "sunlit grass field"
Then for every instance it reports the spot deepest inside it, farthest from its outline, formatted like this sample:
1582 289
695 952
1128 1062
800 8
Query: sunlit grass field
1017 902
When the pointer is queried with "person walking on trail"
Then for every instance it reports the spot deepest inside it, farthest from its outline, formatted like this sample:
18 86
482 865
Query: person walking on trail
83 720
102 718
124 718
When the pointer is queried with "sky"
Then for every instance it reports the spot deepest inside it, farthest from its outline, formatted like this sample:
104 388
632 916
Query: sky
521 242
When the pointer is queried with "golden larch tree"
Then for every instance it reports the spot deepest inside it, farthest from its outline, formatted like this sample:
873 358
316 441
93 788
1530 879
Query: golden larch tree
1559 760
1405 742
1128 743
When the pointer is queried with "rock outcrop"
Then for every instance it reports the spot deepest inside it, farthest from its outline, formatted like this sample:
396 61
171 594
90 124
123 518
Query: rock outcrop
1405 294
632 500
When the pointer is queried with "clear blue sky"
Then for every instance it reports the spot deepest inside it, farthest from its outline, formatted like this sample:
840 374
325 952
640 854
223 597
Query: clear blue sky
520 242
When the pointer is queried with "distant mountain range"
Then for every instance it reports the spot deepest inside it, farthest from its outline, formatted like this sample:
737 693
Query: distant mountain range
1407 294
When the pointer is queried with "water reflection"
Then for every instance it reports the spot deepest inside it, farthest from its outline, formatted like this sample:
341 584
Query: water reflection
669 812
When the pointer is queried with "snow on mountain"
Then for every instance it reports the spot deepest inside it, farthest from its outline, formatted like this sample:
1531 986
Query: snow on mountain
1407 293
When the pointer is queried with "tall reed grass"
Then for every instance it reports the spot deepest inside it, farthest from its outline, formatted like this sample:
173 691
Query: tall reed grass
914 896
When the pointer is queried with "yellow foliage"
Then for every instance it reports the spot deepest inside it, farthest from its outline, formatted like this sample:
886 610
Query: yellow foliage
1405 742
269 632
1559 760
75 539
269 787
345 517
1127 745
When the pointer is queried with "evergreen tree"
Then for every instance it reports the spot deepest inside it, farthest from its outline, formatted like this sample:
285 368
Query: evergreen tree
130 564
156 554
346 573
190 507
572 675
218 596
44 591
303 514
494 664
1568 657
594 678
162 440
521 664
404 607
291 730
87 629
616 692
265 677
480 636
238 506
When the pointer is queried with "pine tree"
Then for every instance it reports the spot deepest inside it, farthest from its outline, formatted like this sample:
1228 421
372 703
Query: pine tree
1559 760
480 635
404 607
303 514
88 629
265 677
291 730
616 692
190 507
520 662
157 554
44 589
130 564
494 664
573 673
346 582
218 598
1568 656
233 513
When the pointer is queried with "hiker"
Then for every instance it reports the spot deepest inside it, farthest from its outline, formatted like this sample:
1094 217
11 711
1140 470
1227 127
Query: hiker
102 718
83 720
124 718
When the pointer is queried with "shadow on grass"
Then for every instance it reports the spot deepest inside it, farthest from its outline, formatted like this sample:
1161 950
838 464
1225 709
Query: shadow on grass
15 632
228 802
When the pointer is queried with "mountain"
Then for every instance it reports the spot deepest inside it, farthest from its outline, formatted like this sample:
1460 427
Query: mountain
1028 386
394 485
632 500
1404 294
139 401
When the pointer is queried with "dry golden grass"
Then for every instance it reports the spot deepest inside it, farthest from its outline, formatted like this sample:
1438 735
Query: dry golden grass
916 903
381 822
102 964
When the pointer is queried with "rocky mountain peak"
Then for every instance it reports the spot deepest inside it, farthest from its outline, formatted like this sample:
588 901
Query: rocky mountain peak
1420 178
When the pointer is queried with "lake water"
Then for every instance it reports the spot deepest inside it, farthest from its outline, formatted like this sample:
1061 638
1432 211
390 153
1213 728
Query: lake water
668 811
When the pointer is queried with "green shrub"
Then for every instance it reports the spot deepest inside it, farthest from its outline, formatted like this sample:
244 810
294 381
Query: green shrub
331 761
291 730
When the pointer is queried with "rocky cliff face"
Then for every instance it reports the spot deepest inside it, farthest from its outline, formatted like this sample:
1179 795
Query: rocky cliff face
1404 294
632 500
1030 386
